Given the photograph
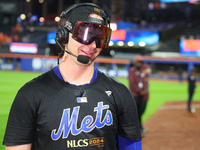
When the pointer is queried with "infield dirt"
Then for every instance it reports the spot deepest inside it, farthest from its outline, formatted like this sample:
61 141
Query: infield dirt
172 127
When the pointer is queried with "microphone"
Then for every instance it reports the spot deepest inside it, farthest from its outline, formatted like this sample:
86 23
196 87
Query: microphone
81 58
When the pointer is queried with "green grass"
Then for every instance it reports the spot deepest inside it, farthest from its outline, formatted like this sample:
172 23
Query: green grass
164 91
160 92
10 82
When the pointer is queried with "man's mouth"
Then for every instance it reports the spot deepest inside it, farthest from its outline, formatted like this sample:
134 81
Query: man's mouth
87 53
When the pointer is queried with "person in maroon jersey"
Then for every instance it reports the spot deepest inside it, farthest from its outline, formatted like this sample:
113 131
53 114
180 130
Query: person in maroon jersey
138 84
74 105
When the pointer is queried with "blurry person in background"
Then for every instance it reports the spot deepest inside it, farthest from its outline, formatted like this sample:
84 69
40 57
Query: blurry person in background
191 89
138 84
180 74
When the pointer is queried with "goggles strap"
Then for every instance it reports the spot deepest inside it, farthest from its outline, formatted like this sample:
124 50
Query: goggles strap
97 21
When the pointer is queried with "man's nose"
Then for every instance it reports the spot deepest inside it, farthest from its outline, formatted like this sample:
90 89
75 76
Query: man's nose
93 44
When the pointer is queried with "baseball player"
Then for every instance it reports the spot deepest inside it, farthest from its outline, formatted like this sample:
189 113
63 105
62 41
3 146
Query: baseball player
191 89
74 105
138 84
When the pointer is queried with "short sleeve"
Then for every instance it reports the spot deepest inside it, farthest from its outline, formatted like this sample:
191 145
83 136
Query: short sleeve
20 125
128 116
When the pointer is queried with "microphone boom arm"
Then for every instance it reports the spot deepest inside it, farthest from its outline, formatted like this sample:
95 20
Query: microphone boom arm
81 58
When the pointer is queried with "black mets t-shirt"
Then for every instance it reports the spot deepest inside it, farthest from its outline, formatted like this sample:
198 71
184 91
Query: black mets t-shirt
54 115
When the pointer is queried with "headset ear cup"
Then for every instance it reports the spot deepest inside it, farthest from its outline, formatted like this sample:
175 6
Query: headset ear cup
62 35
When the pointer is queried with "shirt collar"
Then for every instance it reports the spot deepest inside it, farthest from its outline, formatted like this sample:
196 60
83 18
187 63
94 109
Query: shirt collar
57 72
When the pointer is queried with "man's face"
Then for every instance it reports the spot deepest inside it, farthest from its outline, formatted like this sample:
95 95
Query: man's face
78 48
138 64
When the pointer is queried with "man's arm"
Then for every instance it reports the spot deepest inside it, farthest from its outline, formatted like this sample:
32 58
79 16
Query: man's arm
128 144
19 147
147 69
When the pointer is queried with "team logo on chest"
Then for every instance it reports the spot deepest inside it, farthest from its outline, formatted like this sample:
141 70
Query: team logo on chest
69 123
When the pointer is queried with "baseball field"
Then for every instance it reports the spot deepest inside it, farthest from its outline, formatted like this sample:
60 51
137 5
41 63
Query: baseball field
162 92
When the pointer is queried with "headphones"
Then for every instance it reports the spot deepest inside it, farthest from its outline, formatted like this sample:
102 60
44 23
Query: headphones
62 34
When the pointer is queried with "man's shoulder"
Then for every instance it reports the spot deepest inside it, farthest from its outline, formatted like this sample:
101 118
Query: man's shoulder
39 82
111 81
41 78
107 78
145 66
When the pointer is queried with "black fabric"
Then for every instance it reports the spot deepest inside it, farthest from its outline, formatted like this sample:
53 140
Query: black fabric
81 14
141 106
47 105
191 88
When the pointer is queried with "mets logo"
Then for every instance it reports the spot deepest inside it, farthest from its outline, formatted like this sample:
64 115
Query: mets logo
68 25
96 9
69 123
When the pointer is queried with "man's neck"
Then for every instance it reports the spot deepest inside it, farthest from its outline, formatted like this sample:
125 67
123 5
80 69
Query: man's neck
76 74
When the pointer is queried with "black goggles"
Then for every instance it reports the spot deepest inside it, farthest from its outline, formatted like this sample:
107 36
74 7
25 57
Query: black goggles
86 33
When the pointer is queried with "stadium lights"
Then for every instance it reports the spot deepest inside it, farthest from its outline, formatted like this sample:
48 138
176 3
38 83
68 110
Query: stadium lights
130 43
28 1
120 43
41 1
151 6
112 52
111 43
113 26
23 16
57 19
142 44
41 19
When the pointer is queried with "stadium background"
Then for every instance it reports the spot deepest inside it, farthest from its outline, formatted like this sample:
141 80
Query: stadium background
165 33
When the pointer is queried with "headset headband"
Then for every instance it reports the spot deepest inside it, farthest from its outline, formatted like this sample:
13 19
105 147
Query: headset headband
66 13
